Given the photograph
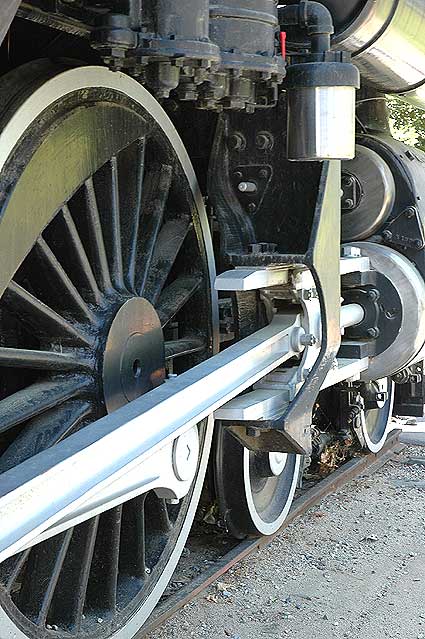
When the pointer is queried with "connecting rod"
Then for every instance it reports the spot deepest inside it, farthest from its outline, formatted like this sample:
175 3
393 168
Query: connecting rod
131 450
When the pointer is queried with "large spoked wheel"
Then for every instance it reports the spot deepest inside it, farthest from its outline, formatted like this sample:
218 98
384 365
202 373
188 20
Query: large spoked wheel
375 419
102 233
255 490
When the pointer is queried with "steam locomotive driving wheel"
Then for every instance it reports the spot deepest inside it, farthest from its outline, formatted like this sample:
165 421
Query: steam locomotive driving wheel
106 273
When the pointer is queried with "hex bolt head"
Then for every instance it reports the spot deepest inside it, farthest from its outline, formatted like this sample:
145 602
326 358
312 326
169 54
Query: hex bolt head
264 141
252 207
350 251
374 294
410 212
348 203
387 235
252 432
308 339
236 142
373 332
347 180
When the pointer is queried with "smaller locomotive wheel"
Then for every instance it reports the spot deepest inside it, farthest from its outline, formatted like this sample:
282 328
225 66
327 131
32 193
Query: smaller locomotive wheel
255 490
376 417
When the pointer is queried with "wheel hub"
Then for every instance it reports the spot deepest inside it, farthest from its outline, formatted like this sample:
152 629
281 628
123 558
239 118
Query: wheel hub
134 360
277 462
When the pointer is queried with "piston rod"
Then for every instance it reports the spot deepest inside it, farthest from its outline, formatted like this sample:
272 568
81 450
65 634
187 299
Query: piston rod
351 314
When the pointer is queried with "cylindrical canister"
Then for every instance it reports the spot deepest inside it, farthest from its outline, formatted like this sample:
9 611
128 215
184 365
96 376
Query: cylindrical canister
245 32
321 111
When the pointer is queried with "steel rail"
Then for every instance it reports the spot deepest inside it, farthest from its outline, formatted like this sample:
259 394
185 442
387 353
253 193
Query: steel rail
350 470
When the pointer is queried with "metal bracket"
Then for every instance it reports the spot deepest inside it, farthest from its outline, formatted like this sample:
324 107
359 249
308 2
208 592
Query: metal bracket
321 264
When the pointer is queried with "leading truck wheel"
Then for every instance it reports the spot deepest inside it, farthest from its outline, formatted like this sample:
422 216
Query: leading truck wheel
375 418
255 490
102 234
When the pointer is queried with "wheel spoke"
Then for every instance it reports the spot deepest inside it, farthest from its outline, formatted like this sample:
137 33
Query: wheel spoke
170 240
42 360
175 296
131 198
157 517
44 431
133 543
37 398
67 606
11 569
54 578
117 265
184 346
156 188
62 280
40 317
41 576
99 256
103 581
79 255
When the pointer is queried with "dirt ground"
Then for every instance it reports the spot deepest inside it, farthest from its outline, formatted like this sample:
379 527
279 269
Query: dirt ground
354 566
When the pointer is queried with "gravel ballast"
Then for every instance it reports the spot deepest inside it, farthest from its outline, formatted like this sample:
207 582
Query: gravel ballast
354 566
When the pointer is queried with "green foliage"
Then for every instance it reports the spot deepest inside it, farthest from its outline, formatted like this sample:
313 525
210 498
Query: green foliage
407 123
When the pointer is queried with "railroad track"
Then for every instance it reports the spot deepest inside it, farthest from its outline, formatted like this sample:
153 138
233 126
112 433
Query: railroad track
312 496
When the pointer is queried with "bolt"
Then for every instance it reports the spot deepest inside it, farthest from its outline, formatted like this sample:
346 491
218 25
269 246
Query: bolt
374 294
348 203
252 207
387 235
350 251
373 332
262 247
238 175
264 141
309 294
410 212
247 187
237 142
347 180
308 339
263 173
252 432
418 244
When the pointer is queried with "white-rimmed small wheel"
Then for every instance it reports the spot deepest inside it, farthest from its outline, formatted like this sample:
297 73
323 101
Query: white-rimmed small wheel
375 418
255 490
103 233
